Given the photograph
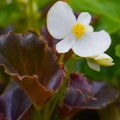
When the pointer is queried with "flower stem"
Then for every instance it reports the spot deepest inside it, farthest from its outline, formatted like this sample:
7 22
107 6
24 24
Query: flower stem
30 13
66 79
59 96
46 111
61 58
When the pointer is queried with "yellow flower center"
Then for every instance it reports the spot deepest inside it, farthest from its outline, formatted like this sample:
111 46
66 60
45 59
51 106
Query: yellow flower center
78 30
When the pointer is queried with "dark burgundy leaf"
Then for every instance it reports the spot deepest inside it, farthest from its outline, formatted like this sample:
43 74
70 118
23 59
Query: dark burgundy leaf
13 103
27 59
27 54
48 38
79 91
4 80
80 83
2 117
30 114
83 95
5 30
37 92
104 94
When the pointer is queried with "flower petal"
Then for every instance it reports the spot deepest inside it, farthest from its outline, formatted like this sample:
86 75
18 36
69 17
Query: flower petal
64 45
104 59
60 20
92 44
89 28
93 65
103 56
84 18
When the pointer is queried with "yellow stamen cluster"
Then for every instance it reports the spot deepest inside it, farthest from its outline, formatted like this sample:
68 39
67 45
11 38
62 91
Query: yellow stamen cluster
78 30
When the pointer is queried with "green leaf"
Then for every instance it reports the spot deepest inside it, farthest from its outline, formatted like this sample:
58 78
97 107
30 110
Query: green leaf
44 4
10 13
117 50
107 10
109 113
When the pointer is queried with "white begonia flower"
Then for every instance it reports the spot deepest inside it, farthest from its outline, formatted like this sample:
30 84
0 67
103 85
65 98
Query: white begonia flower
75 35
102 59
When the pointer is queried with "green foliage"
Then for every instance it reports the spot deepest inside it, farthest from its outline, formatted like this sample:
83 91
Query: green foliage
117 50
10 13
42 3
31 13
109 113
107 11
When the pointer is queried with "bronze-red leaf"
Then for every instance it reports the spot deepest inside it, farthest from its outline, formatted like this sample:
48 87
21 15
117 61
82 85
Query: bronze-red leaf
28 59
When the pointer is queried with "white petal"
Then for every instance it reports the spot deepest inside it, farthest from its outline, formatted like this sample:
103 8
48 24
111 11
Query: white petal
60 20
89 28
84 18
93 65
104 59
92 44
102 56
65 45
